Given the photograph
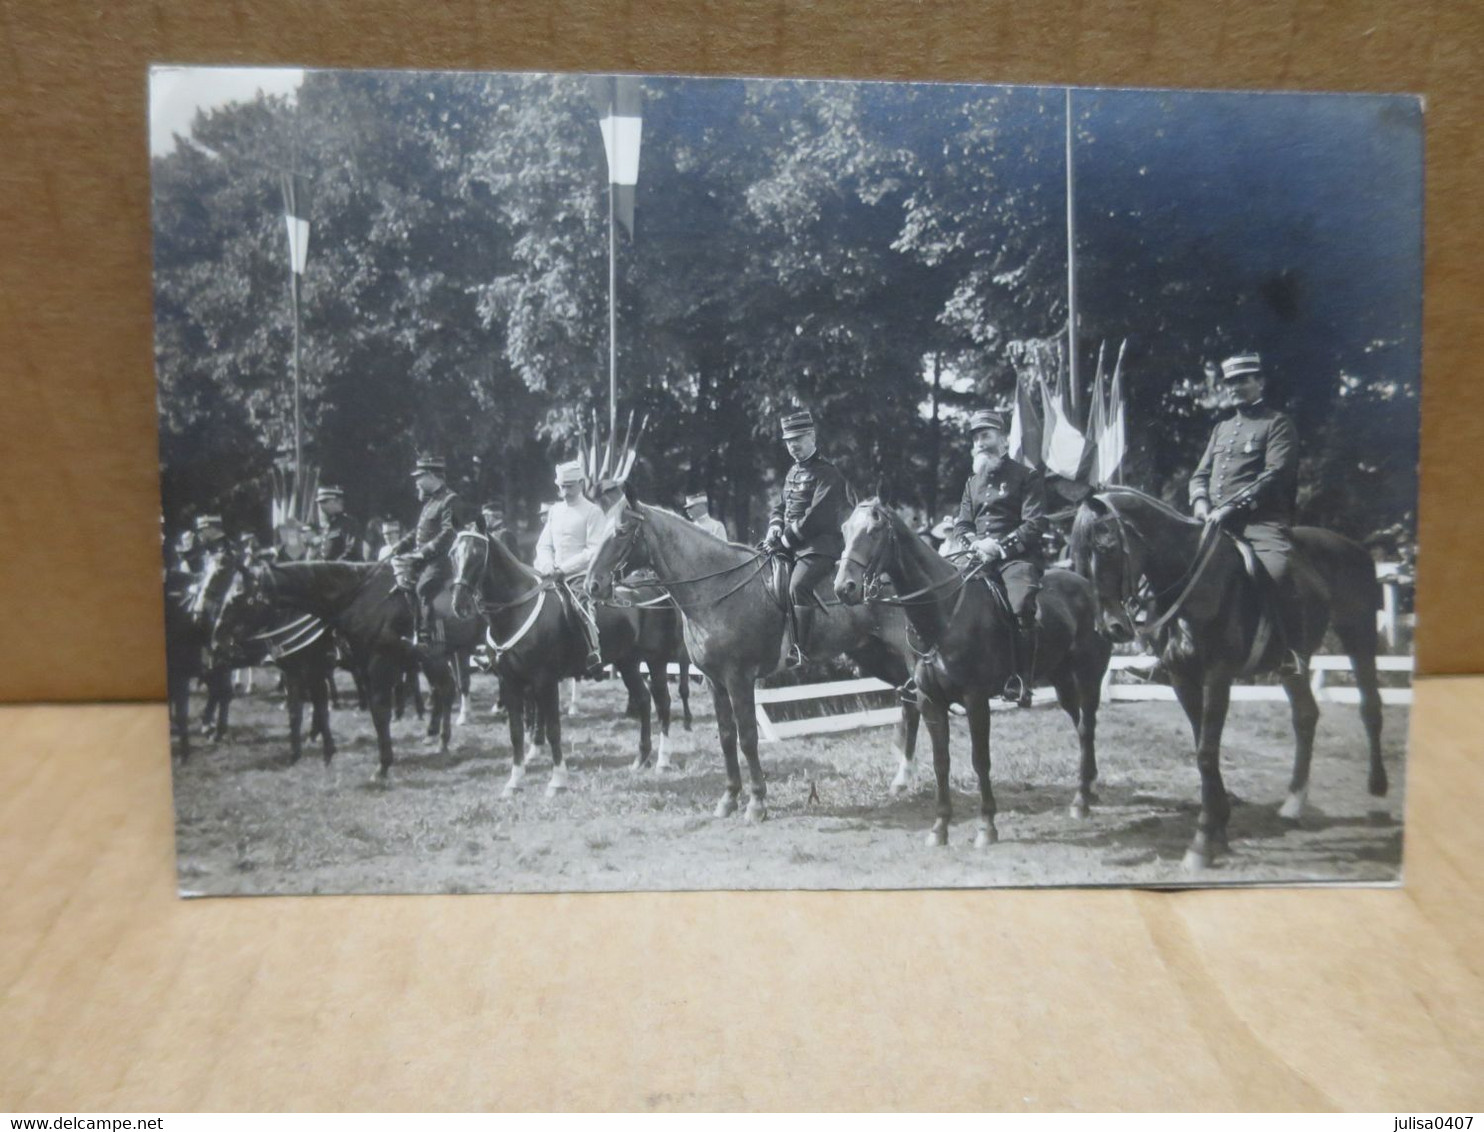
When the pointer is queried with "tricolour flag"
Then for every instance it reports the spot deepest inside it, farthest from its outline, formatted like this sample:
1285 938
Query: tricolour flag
618 101
1062 444
1112 442
1025 428
296 215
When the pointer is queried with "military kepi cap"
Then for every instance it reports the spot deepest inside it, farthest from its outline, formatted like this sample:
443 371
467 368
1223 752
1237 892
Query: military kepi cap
797 424
986 418
570 472
434 465
204 521
697 500
325 493
1240 365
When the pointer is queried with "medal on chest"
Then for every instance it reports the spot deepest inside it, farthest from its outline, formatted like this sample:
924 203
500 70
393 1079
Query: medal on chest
1250 447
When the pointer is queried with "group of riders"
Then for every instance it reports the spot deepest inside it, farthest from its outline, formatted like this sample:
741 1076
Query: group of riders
1245 482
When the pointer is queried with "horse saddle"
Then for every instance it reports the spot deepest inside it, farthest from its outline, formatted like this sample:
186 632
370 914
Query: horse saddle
776 577
1267 617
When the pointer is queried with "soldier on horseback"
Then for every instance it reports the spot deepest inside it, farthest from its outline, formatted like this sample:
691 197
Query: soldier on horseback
1001 517
339 537
573 530
806 522
426 548
1247 483
697 509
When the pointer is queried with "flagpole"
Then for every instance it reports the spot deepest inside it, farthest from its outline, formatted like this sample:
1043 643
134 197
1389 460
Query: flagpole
1071 263
612 317
298 400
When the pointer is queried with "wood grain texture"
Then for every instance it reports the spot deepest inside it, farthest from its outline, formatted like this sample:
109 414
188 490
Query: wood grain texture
79 592
116 996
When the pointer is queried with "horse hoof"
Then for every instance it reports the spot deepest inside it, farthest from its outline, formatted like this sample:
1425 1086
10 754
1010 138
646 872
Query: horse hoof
757 813
639 763
1292 808
937 837
517 776
1081 811
462 720
1195 861
986 837
903 781
726 807
1378 785
558 781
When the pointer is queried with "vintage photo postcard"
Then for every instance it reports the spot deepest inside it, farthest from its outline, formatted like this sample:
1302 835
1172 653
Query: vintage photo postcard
580 482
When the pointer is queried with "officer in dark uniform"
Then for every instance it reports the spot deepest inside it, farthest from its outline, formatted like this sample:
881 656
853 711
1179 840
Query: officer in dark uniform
1002 517
806 522
339 534
1247 482
426 548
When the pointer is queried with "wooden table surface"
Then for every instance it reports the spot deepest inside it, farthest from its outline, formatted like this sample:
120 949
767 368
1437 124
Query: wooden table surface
117 996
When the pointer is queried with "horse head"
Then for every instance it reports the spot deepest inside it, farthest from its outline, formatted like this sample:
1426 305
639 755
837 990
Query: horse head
870 533
469 554
217 576
1103 553
620 549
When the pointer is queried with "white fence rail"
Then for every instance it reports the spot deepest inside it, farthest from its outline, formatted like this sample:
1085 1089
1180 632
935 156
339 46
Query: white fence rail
1321 668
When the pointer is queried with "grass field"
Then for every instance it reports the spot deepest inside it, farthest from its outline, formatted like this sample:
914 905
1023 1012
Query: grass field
250 823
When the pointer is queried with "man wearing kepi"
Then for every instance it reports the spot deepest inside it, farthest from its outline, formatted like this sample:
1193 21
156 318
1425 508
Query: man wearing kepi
697 507
806 523
1001 517
339 535
574 527
1247 482
426 548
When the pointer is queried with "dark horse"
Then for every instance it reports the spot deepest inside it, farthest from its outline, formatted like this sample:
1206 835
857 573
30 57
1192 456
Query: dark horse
963 634
361 603
1205 615
536 643
734 629
253 632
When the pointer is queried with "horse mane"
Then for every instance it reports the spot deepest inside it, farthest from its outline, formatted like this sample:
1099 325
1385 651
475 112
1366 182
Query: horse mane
1095 508
656 509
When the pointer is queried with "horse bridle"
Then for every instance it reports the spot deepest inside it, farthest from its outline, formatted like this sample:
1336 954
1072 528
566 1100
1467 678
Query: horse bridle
1133 603
871 576
644 583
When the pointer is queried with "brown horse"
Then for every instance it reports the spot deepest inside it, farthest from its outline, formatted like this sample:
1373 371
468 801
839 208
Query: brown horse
963 633
734 629
536 643
1206 617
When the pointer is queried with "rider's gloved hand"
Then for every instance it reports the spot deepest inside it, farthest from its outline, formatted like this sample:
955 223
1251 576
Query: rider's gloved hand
774 539
1200 509
989 548
1220 515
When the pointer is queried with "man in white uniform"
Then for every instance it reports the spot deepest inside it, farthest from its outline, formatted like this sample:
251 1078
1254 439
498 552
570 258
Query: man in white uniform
697 507
567 543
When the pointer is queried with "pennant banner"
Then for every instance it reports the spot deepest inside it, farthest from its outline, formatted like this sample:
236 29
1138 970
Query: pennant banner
618 102
296 215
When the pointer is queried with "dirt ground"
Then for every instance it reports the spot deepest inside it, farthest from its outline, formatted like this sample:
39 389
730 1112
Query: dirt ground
248 822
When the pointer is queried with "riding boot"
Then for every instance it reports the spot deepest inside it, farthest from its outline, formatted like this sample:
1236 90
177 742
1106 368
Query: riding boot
1288 624
803 620
1018 688
594 660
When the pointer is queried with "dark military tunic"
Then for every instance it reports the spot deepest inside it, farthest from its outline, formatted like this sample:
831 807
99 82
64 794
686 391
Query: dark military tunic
813 507
340 539
809 513
1251 465
1006 501
438 523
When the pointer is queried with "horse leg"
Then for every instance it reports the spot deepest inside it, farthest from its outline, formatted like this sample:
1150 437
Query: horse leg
744 712
726 729
1210 832
1305 719
319 706
1192 699
180 715
517 697
935 713
659 687
633 682
1071 695
684 667
383 673
461 668
906 746
978 709
294 689
551 708
1361 648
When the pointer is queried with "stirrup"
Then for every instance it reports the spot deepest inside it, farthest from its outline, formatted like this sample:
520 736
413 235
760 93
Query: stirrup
1017 691
796 657
909 694
1293 664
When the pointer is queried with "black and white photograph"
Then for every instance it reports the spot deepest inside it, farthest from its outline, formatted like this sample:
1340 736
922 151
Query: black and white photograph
622 483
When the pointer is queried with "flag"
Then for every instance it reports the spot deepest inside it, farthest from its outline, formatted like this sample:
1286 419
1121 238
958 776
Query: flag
618 100
1096 418
1025 429
295 188
1061 442
1113 443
